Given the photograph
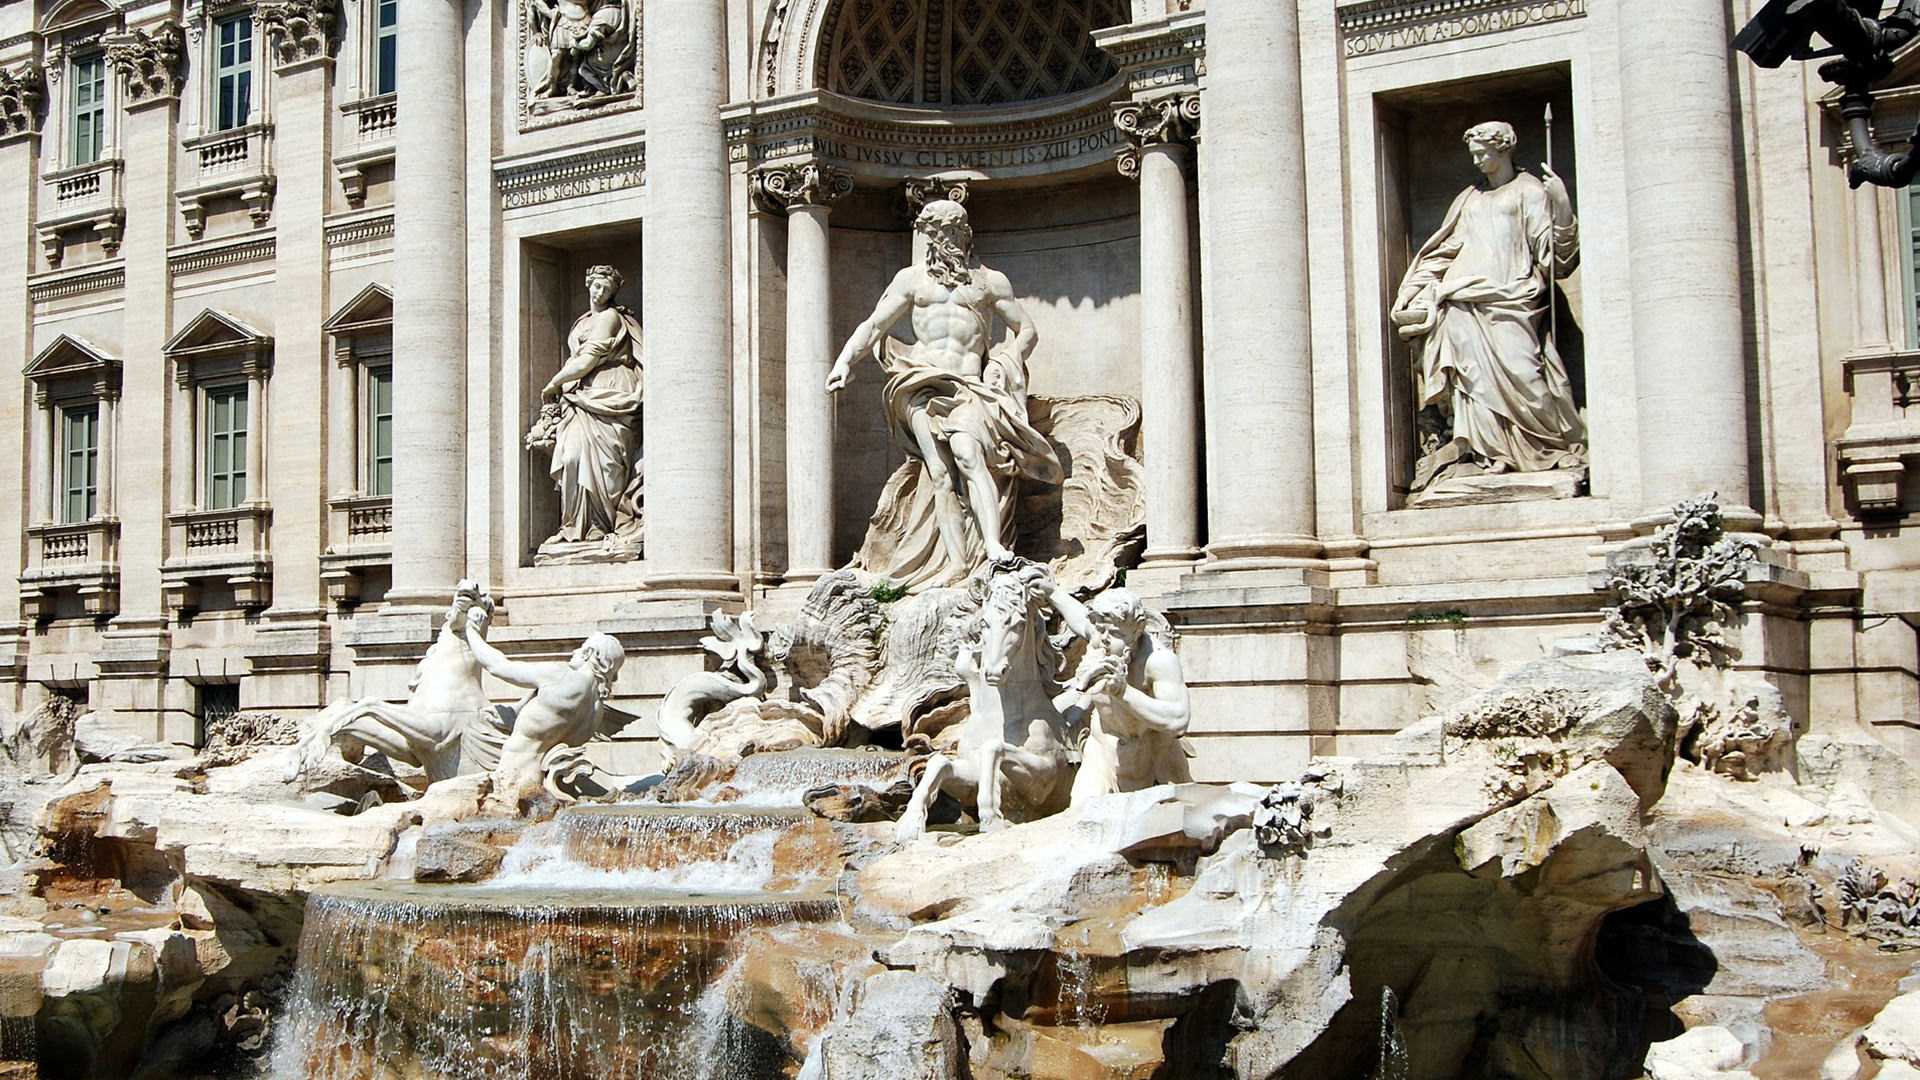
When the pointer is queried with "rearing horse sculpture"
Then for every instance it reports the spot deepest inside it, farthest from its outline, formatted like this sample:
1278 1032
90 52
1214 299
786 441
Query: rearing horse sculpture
1012 759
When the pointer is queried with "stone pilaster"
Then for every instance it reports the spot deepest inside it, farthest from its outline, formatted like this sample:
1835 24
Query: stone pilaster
290 652
134 652
21 98
1870 329
1683 237
806 193
1160 134
1259 377
430 306
686 297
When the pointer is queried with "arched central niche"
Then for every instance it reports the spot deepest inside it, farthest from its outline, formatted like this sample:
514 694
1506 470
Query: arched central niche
964 53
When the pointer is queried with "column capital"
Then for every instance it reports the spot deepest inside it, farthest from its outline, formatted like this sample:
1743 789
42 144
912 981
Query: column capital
149 62
921 191
787 187
302 31
23 89
1170 120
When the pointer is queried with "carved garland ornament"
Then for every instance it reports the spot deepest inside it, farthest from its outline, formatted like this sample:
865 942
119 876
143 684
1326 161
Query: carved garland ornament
781 188
148 61
22 90
300 29
1159 122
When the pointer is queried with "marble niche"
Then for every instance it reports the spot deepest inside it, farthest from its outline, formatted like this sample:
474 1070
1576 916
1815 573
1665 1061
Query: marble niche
583 387
1485 354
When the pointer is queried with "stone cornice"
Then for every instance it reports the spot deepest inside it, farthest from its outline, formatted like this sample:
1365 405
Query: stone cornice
882 141
212 256
90 279
783 187
1377 26
360 230
149 63
23 89
552 177
1159 53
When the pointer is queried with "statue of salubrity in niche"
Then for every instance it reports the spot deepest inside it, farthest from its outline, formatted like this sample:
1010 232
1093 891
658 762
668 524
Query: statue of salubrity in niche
589 425
1490 384
959 408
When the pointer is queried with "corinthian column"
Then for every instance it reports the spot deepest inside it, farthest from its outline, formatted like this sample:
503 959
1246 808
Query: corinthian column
806 192
1683 237
1161 132
686 296
1259 379
430 306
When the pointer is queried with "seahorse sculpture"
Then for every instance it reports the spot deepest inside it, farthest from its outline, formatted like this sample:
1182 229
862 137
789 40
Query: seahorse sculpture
738 645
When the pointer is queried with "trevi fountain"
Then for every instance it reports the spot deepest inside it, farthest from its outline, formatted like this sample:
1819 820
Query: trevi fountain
935 814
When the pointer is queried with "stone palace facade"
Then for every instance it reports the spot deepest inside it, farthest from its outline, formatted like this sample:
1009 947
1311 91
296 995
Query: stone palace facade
318 308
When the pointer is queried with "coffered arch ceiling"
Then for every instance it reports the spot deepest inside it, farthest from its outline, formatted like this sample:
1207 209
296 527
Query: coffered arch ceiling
963 53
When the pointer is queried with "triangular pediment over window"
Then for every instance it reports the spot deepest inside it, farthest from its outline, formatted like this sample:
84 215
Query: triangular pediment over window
370 310
68 355
214 341
214 331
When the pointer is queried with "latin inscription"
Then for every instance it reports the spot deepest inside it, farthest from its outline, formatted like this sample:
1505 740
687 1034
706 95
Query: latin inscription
1405 31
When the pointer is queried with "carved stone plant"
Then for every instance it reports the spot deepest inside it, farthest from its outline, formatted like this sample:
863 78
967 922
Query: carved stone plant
1675 604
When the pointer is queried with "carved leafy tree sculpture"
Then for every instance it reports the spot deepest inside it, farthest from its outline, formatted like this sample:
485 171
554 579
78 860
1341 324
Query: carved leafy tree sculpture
1675 605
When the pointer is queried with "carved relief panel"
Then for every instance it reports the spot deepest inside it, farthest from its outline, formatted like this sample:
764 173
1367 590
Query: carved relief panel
578 58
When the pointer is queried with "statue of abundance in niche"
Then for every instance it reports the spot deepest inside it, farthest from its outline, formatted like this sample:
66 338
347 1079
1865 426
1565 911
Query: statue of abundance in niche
589 425
1474 304
958 407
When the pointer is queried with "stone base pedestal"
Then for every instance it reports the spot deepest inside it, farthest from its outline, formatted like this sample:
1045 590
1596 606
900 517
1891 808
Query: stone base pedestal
612 549
1480 488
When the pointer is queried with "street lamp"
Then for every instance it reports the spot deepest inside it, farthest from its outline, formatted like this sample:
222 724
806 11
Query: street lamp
1861 43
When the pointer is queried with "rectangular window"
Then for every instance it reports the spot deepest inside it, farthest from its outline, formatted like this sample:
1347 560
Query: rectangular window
79 463
1909 204
226 447
380 431
89 108
232 71
386 48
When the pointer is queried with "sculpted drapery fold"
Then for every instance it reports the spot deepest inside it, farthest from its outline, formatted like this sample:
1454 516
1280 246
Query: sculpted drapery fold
1475 302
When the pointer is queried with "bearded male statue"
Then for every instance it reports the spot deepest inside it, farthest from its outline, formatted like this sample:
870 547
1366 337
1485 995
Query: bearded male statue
956 405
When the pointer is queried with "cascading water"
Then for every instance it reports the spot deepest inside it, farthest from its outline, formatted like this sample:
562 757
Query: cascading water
610 945
530 985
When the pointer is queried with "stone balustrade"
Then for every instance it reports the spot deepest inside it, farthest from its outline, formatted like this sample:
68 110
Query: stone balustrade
83 197
229 545
373 129
229 164
81 559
